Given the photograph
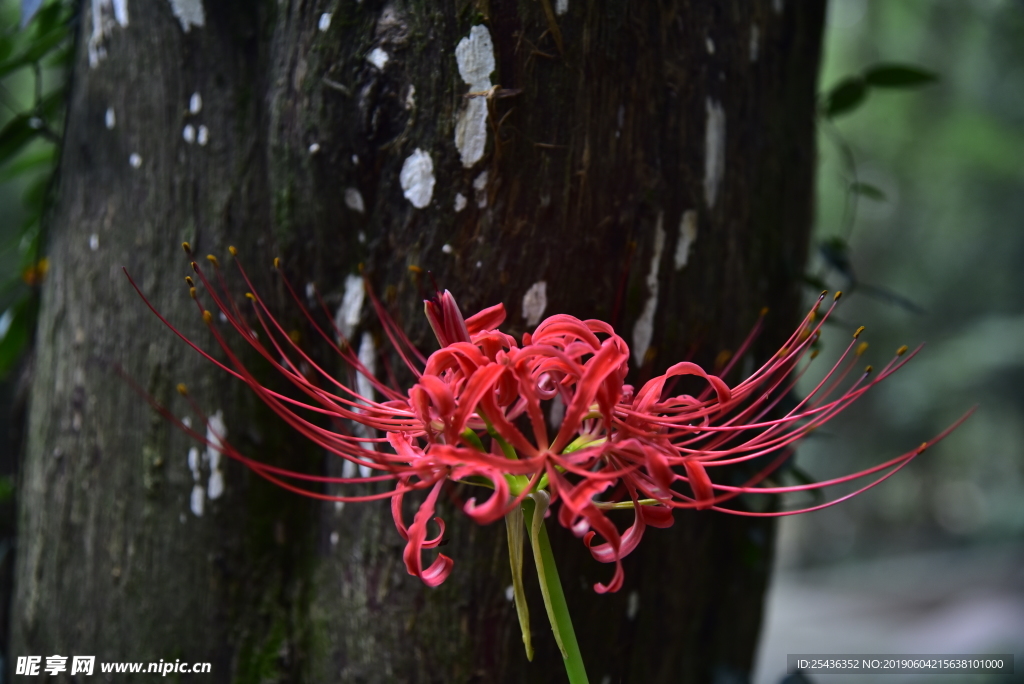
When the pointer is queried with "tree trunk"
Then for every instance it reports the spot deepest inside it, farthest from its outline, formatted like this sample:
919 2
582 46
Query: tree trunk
648 163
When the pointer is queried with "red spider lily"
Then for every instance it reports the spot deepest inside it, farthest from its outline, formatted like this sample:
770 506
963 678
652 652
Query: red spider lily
477 415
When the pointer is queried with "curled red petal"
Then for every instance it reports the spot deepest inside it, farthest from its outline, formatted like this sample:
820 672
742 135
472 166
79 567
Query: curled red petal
700 483
438 571
486 319
496 505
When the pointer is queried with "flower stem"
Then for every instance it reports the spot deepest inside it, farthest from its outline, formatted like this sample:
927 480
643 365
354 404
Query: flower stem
551 587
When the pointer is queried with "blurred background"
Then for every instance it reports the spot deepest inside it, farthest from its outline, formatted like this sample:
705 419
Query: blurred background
920 221
931 561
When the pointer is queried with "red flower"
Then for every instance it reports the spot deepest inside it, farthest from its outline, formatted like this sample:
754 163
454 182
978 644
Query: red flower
477 414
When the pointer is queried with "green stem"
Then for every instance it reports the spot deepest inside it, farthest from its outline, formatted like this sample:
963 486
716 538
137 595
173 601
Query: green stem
551 587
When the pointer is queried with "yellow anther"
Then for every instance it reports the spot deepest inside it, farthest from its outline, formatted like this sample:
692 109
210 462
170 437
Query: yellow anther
213 260
195 267
812 316
413 268
187 247
295 336
207 317
182 390
901 351
823 294
277 263
232 251
722 358
814 353
783 352
764 311
250 296
839 293
921 449
861 348
192 292
191 283
858 332
868 369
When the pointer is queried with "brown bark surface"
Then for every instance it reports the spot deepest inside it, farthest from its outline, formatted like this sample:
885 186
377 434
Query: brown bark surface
590 165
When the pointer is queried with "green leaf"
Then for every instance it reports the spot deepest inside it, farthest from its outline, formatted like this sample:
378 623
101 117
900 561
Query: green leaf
20 130
869 191
846 96
35 50
898 76
35 193
49 17
29 162
61 57
15 135
6 47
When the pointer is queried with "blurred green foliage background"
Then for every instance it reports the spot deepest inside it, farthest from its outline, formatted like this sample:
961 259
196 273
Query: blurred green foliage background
948 236
33 76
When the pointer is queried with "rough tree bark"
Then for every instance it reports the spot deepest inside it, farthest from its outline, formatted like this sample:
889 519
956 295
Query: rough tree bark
628 126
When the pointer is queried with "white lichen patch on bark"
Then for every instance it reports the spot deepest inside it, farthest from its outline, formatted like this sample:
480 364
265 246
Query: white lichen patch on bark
188 133
215 487
561 7
325 21
203 136
378 58
197 500
480 186
417 178
193 463
755 42
475 57
643 329
105 15
121 12
460 202
535 301
354 200
110 119
195 103
364 386
348 314
135 160
216 434
714 150
198 497
632 605
687 236
348 469
189 13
